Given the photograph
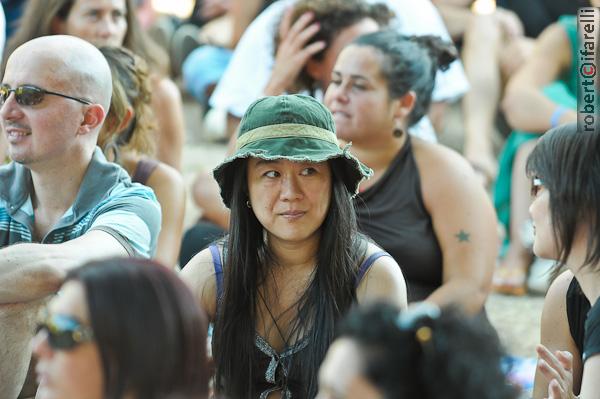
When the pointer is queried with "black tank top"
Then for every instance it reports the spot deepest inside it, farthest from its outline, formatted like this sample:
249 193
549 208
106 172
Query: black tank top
577 309
392 213
143 170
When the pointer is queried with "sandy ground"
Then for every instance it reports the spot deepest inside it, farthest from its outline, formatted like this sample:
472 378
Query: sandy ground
517 319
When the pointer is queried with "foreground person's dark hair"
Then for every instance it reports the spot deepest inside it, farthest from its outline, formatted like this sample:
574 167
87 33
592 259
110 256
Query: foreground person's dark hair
150 333
413 354
568 164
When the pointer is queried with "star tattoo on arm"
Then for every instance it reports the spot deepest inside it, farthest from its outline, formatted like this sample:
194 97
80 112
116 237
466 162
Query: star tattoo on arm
462 236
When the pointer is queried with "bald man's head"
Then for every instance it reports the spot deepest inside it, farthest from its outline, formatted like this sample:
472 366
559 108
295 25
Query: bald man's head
71 62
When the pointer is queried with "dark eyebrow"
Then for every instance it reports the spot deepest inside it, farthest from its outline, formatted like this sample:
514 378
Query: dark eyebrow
267 161
353 77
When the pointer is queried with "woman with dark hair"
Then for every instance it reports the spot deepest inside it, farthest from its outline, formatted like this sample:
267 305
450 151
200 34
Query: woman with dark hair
565 171
112 23
423 352
122 328
541 95
126 138
293 262
424 204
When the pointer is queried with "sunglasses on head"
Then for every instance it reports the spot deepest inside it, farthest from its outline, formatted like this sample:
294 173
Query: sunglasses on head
32 95
65 332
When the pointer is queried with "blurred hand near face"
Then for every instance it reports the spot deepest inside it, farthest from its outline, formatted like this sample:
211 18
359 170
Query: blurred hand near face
293 52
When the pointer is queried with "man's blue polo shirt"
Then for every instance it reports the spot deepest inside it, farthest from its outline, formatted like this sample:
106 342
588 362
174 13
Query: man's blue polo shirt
107 201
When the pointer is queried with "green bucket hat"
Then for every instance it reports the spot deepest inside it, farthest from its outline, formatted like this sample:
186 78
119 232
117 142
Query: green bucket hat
293 127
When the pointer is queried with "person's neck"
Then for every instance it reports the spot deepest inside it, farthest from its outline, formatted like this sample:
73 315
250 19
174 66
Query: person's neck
377 156
55 185
295 255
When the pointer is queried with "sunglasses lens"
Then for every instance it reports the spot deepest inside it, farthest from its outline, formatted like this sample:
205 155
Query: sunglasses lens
61 340
28 95
4 93
63 332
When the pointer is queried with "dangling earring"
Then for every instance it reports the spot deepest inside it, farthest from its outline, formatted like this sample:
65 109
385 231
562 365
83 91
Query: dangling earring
248 204
398 132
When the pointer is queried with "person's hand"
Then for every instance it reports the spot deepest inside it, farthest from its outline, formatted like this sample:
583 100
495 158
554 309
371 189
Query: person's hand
557 367
509 22
293 52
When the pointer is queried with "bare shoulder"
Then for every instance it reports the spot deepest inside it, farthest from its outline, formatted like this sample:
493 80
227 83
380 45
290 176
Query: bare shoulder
436 159
199 274
444 171
383 281
165 90
557 292
168 179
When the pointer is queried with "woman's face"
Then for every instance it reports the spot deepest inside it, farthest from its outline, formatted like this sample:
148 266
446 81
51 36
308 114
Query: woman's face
68 373
544 244
289 199
340 375
101 22
358 96
321 70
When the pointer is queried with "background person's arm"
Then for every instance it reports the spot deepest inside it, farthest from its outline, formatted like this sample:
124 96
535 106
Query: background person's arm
169 188
464 223
524 104
168 110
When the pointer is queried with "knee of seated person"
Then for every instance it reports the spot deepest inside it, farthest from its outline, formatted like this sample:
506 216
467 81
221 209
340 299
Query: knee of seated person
205 190
483 30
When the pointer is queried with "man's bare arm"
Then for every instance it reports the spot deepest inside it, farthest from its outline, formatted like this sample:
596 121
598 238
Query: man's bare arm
32 271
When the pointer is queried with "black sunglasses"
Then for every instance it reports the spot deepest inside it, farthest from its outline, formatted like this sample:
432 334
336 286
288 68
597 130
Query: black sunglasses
32 95
65 332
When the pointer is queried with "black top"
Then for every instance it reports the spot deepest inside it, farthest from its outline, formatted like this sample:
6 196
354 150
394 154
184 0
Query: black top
393 214
591 344
577 310
143 170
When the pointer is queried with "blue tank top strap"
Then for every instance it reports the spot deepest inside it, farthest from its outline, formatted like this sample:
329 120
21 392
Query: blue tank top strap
218 265
366 265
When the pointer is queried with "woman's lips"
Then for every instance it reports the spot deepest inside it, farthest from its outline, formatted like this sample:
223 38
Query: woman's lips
292 215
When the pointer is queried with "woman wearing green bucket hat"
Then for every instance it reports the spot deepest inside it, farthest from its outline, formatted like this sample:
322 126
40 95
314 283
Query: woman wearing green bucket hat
293 262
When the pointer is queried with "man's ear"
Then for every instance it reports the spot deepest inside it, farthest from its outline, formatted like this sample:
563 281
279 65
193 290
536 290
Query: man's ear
92 119
404 105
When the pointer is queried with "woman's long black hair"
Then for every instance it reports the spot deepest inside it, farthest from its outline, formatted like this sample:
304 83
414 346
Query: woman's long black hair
247 264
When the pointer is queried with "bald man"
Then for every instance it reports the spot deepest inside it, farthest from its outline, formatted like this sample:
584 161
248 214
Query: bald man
61 203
